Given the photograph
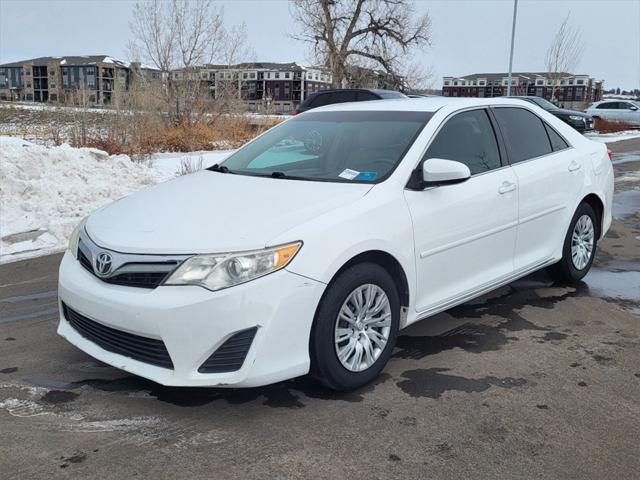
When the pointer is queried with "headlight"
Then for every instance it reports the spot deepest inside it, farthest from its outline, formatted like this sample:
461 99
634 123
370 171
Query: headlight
75 236
575 117
218 271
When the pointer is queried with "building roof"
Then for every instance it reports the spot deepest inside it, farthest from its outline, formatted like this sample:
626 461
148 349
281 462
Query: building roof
258 66
69 60
500 76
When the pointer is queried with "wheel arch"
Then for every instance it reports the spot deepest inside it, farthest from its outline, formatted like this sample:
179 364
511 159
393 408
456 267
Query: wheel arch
386 261
597 204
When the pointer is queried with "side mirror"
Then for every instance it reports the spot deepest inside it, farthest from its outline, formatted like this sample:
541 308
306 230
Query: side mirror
437 171
633 107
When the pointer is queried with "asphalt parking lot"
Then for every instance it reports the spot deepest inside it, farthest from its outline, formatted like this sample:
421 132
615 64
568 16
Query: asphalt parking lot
535 380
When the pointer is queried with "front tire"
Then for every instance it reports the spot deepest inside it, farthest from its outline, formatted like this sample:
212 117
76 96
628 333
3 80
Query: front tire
355 328
579 248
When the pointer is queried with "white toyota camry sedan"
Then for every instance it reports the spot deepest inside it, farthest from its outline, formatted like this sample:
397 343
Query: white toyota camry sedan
309 248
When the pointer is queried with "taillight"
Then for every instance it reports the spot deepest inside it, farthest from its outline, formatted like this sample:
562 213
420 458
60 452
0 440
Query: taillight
610 153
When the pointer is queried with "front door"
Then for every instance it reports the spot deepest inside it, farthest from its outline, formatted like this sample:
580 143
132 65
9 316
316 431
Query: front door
465 233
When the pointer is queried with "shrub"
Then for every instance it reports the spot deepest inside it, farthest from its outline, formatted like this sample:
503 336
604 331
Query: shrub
611 126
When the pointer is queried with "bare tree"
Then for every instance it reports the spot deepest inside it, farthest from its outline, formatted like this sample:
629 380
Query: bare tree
178 37
354 32
564 54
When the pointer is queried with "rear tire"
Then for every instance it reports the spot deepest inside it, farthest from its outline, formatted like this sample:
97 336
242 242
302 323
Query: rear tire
355 327
579 247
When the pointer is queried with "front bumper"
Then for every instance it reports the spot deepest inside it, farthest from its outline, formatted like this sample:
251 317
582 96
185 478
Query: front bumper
193 322
583 125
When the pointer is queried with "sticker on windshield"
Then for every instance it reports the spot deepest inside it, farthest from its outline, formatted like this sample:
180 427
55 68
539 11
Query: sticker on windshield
367 176
349 174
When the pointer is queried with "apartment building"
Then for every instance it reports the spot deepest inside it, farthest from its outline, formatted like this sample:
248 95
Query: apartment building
261 85
57 79
571 91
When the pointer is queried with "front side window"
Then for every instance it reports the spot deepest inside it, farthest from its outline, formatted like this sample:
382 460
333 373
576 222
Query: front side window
356 147
468 138
608 106
523 132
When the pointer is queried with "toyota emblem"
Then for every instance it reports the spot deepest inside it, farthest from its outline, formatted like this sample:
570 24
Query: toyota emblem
103 264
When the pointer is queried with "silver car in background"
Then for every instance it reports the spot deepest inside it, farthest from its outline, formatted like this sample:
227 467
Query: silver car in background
627 111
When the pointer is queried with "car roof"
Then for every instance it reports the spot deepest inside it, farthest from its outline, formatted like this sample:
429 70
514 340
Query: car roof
424 104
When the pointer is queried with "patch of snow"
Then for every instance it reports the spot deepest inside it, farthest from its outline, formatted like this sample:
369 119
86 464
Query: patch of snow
612 137
46 191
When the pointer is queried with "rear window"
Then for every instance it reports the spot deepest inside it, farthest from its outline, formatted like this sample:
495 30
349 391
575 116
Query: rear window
364 96
320 100
341 97
524 133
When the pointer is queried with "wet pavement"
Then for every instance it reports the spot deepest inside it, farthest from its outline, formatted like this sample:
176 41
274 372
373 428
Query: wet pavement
535 380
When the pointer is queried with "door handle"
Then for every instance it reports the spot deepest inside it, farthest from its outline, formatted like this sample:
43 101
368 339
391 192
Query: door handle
506 187
573 166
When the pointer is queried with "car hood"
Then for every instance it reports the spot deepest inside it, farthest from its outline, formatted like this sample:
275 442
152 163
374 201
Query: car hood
566 113
213 212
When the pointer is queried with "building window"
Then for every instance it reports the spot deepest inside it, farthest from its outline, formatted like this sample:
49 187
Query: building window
481 83
27 71
245 75
28 84
286 75
580 82
52 84
446 82
2 71
53 97
277 74
252 75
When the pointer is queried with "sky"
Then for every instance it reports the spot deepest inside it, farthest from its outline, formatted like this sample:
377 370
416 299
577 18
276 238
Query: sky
469 36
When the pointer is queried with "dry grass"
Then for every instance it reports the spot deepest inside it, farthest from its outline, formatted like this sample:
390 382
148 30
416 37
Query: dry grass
611 126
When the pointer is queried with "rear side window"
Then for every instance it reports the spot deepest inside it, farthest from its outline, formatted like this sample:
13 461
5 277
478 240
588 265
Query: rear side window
468 137
523 132
557 142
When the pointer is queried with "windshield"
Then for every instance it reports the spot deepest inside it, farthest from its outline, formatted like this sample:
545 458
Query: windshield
358 146
541 102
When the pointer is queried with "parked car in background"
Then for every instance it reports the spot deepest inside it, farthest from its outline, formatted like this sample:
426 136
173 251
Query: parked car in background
330 233
329 97
627 111
578 120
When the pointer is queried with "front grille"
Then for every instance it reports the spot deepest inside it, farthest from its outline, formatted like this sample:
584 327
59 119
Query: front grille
133 278
137 279
84 261
143 349
230 356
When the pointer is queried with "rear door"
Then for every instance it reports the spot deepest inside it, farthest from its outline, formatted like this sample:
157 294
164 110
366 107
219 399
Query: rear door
609 111
550 174
465 233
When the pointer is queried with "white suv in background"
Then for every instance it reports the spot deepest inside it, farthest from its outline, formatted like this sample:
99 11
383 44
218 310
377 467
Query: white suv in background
314 244
627 111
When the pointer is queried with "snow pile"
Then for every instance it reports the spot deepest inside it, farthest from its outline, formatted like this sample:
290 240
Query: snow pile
46 191
613 137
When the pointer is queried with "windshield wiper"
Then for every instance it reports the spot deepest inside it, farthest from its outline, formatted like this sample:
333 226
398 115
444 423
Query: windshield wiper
219 168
